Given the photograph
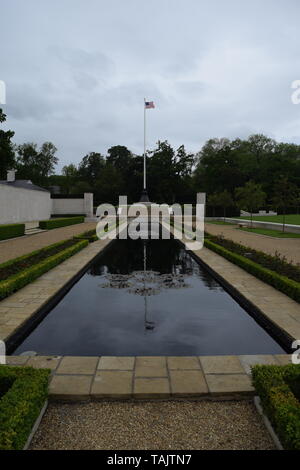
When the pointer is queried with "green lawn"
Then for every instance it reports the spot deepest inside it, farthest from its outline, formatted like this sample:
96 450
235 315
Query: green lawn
271 233
219 222
293 219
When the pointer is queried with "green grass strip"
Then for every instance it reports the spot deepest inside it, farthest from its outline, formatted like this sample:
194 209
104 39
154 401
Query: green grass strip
271 233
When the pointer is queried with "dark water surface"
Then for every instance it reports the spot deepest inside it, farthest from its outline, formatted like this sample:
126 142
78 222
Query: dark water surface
148 298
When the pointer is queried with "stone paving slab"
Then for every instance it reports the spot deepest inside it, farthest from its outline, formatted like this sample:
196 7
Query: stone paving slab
112 384
116 363
183 362
229 384
95 378
78 365
188 383
70 387
221 365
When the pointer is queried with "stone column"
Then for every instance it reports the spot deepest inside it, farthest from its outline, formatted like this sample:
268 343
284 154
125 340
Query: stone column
88 204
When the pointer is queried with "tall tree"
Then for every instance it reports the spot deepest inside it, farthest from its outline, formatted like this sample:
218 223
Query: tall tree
119 157
225 201
70 173
91 166
36 164
250 197
213 201
285 194
7 154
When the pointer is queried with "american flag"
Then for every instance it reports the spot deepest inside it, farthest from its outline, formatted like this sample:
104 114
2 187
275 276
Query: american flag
149 104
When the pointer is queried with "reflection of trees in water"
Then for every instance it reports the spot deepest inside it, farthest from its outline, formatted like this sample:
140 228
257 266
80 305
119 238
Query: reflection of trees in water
164 256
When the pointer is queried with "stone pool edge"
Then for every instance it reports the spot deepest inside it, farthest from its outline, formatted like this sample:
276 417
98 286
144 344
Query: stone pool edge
84 378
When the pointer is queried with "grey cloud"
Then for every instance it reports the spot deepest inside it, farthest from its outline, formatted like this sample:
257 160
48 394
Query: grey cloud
77 75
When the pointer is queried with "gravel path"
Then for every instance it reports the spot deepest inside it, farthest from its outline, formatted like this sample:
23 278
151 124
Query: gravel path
287 247
20 246
152 425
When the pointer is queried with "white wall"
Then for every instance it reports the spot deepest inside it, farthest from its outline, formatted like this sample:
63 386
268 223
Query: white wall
23 205
73 206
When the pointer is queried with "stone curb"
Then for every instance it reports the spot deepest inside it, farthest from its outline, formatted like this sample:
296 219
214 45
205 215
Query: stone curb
194 377
36 425
267 423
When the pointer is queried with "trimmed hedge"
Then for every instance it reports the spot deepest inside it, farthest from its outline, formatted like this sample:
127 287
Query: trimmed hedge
282 283
23 392
276 262
15 282
44 250
60 222
64 216
275 386
11 231
90 235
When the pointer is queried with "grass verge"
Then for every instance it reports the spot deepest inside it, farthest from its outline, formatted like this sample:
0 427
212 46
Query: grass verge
219 222
293 219
271 233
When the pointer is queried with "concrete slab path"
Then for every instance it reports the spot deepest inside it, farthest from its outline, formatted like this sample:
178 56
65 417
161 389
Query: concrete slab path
13 248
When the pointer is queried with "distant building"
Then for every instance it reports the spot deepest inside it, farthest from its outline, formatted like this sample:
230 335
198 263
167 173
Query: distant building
23 201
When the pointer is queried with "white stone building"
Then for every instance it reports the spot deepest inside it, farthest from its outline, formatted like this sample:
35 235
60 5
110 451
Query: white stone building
23 201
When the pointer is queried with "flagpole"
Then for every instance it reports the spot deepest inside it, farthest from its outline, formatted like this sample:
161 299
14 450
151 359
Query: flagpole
144 195
144 143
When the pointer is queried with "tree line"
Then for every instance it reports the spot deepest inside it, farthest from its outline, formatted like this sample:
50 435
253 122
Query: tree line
248 174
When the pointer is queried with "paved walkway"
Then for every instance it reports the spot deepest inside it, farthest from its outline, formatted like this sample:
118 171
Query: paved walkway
288 247
20 246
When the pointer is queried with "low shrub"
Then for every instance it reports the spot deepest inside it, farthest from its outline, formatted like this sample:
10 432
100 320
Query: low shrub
14 266
24 391
89 235
282 283
277 262
63 216
25 276
60 222
274 387
11 231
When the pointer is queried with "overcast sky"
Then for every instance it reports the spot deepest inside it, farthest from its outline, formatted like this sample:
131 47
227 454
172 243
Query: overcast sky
77 71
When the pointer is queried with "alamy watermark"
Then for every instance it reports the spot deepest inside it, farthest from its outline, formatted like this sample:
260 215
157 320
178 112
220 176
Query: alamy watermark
295 97
2 352
2 92
141 220
296 353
